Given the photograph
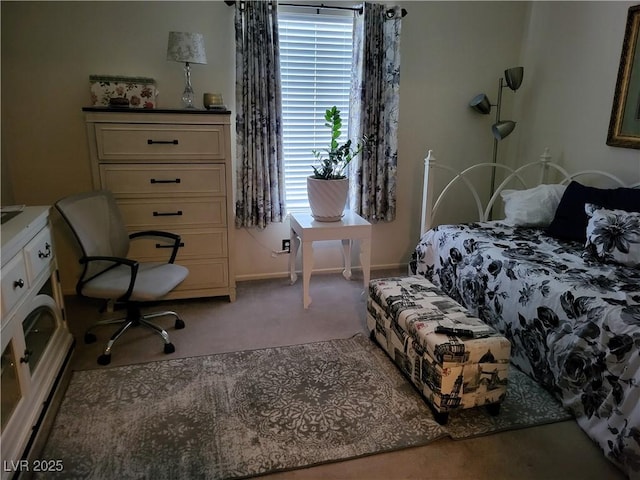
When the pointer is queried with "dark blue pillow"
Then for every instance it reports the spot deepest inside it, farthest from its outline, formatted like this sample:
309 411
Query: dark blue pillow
570 220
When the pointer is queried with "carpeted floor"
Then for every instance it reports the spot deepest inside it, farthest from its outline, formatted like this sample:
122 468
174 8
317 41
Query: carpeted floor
269 313
239 414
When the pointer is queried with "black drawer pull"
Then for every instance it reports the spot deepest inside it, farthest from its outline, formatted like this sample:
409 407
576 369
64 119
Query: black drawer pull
18 283
167 214
162 142
181 244
46 253
153 180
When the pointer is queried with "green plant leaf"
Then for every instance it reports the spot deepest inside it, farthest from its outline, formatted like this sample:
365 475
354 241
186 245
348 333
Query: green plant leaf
334 160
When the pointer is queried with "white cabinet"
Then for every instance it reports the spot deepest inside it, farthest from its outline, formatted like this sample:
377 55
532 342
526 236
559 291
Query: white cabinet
171 170
36 343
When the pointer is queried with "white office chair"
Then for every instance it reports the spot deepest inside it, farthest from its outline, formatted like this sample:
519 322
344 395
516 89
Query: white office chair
108 274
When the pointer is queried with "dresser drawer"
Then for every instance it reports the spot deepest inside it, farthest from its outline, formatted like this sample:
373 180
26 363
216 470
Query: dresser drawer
132 180
38 253
205 274
15 283
196 244
118 142
171 214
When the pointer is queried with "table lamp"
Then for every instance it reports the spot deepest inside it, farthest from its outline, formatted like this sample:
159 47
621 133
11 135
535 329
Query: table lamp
188 48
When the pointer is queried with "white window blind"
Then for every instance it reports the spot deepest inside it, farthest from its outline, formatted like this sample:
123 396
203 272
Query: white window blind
315 67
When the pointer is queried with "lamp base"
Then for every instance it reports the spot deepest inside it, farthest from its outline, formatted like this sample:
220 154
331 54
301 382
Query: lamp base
187 99
188 94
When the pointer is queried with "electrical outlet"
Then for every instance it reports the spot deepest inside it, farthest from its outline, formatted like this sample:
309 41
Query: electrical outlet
286 245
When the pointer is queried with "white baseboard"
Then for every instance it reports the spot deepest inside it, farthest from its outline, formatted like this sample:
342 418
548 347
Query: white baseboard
267 276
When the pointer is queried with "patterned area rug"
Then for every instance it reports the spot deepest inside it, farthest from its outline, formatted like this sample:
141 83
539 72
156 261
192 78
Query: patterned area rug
235 415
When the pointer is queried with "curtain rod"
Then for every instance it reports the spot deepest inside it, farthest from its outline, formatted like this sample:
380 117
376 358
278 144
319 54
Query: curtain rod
322 5
390 13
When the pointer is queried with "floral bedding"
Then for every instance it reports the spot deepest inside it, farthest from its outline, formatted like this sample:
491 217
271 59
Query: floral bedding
573 322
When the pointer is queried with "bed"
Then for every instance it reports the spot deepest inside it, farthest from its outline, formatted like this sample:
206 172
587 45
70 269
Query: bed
566 295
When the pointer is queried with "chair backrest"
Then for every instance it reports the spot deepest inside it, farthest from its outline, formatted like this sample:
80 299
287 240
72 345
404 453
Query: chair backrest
97 224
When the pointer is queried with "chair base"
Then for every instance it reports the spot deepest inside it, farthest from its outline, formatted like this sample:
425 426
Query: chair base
134 318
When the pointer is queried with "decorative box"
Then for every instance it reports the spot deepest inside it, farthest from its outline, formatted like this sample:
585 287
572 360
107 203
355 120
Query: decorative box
139 91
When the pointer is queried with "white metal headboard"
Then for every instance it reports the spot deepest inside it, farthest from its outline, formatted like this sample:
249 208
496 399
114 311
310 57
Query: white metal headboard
544 165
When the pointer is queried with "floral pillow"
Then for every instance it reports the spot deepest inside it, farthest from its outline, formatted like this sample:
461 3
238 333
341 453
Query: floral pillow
613 235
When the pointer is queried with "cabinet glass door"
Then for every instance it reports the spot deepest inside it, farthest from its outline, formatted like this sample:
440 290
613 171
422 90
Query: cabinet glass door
10 385
39 327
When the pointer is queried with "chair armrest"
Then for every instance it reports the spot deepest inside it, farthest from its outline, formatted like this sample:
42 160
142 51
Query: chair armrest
161 234
132 264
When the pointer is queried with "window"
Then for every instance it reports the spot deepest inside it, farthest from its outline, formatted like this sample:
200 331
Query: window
315 68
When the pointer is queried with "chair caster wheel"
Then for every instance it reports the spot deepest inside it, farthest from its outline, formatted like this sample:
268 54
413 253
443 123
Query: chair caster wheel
179 324
169 348
104 359
89 338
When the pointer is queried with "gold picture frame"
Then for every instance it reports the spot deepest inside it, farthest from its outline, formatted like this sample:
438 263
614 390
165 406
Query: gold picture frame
624 127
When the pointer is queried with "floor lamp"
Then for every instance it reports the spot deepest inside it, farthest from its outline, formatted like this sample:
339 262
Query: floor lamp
501 128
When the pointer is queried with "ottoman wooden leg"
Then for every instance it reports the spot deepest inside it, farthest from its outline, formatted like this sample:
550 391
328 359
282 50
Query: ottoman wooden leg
494 409
441 417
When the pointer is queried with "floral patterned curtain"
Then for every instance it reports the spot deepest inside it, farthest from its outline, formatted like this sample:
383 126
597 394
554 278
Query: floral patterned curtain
374 111
260 171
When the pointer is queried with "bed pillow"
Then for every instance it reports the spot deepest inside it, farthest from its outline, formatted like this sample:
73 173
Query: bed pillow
613 235
534 207
570 220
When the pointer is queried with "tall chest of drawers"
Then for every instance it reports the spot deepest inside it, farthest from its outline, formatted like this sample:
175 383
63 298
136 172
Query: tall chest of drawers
171 170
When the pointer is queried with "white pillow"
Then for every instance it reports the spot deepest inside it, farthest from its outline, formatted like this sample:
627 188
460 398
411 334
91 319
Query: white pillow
534 207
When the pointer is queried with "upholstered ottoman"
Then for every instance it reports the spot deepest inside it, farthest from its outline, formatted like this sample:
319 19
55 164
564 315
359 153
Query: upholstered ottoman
463 367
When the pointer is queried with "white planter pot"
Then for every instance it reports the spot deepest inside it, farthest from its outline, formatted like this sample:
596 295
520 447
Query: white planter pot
327 198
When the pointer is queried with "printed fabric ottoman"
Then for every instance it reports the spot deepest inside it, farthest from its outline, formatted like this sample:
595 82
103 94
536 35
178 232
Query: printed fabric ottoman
464 367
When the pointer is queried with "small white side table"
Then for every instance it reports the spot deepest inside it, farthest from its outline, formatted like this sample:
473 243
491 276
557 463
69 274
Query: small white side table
306 230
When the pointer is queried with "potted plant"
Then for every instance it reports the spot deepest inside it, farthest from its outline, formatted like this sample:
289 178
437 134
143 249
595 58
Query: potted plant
328 187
